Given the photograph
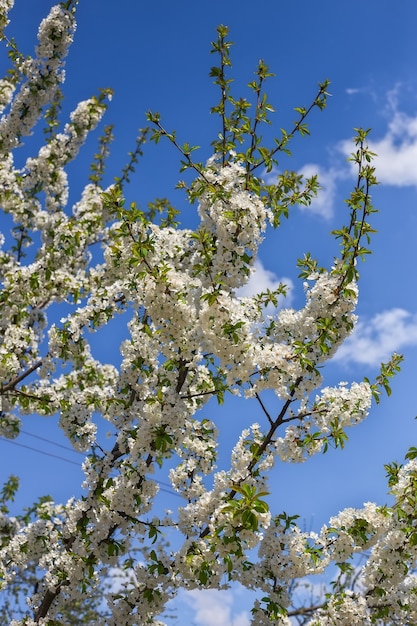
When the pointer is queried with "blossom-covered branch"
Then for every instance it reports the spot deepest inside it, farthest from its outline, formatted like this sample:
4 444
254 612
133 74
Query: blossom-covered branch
189 338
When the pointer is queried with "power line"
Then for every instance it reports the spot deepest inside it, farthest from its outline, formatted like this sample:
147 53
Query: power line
55 456
54 443
163 486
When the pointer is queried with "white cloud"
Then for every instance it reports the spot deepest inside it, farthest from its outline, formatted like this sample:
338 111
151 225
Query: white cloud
397 152
323 204
214 607
373 341
396 161
262 279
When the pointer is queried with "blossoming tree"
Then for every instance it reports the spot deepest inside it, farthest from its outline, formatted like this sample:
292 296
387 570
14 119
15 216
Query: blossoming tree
191 339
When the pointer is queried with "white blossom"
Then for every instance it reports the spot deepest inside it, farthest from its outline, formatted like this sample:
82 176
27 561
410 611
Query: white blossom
187 339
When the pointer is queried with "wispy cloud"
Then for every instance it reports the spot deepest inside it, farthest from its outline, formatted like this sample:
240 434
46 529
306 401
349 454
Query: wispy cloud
215 608
352 91
374 340
262 279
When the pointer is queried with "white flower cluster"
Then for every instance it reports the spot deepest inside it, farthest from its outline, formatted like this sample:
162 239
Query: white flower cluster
7 89
334 409
55 34
198 450
287 554
346 609
31 541
5 6
235 216
43 76
46 169
342 404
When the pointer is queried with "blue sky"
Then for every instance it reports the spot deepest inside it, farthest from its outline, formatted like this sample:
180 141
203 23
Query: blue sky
156 56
